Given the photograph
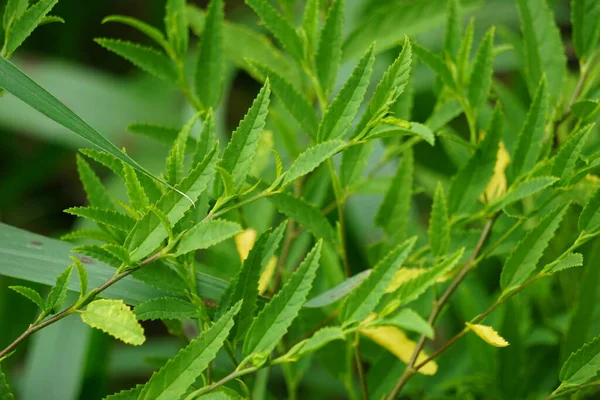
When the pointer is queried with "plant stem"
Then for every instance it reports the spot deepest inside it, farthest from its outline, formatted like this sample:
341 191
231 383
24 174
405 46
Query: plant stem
339 199
232 376
554 395
437 308
359 367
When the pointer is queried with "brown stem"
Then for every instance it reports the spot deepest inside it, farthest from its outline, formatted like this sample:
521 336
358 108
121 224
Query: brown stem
564 392
360 369
232 376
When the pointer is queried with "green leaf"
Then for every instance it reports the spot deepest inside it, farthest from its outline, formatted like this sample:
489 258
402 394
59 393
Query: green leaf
415 287
480 80
207 139
393 213
241 149
566 159
58 293
544 51
525 256
273 243
329 49
294 102
408 320
97 194
149 232
583 365
135 190
569 261
162 134
142 27
93 234
129 394
165 308
115 318
338 292
23 25
179 373
210 64
206 234
5 393
13 9
99 253
522 190
367 296
176 157
439 224
176 25
586 109
311 158
464 52
437 65
228 183
453 33
589 219
354 162
21 86
143 57
273 321
342 110
585 22
308 346
472 179
29 293
310 25
305 214
102 216
82 273
394 127
280 27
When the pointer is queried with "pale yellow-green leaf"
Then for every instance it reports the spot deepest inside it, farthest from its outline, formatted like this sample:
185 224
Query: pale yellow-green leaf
115 318
402 276
267 275
496 188
244 241
488 334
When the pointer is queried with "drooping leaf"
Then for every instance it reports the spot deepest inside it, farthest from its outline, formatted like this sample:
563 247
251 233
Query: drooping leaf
206 234
363 300
544 51
585 20
240 151
488 334
273 321
436 64
95 191
472 179
30 294
146 58
104 216
480 80
569 261
210 64
305 214
329 49
589 219
583 365
314 343
58 294
23 25
142 27
5 393
344 107
522 190
115 318
406 319
564 163
176 25
525 256
439 224
338 292
311 158
165 308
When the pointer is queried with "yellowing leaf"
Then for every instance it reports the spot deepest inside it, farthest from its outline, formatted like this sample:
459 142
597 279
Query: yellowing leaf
115 318
497 185
396 342
402 276
267 275
244 242
488 334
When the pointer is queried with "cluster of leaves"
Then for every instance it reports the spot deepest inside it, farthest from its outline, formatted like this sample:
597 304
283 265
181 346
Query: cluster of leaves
513 192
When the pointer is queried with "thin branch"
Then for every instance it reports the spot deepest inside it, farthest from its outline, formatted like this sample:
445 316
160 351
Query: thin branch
359 367
575 389
230 377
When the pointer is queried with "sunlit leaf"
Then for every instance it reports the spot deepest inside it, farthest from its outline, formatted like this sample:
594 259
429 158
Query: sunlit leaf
115 318
488 334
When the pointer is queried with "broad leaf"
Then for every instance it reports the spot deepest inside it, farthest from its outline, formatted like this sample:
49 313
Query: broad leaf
166 308
22 26
583 365
439 224
115 318
329 49
206 234
311 158
585 22
30 294
480 80
210 64
338 292
273 321
313 344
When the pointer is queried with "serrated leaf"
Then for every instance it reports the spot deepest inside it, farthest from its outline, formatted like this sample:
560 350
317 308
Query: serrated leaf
488 334
403 275
95 191
436 64
585 21
115 318
480 80
329 48
143 57
23 25
586 109
311 158
412 289
589 219
273 243
305 214
241 149
176 25
206 234
228 183
583 365
307 346
338 292
162 134
406 319
210 64
544 51
363 300
174 379
49 19
280 27
393 214
82 273
453 32
354 162
103 216
569 261
135 190
13 9
207 139
464 52
497 185
472 179
142 27
439 224
58 294
341 112
99 253
566 159
293 101
149 232
525 256
521 191
129 394
394 127
165 308
273 321
244 241
30 294
176 156
5 393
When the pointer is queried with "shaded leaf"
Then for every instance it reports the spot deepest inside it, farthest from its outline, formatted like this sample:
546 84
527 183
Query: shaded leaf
165 308
406 319
436 64
585 20
162 134
480 80
206 234
338 292
439 224
30 294
314 343
521 191
5 393
24 24
58 294
210 64
103 216
329 49
589 219
564 162
142 27
176 25
95 191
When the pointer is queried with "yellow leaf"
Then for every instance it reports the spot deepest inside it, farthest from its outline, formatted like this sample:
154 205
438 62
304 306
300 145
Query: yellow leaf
244 242
397 343
267 275
497 186
488 334
402 276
